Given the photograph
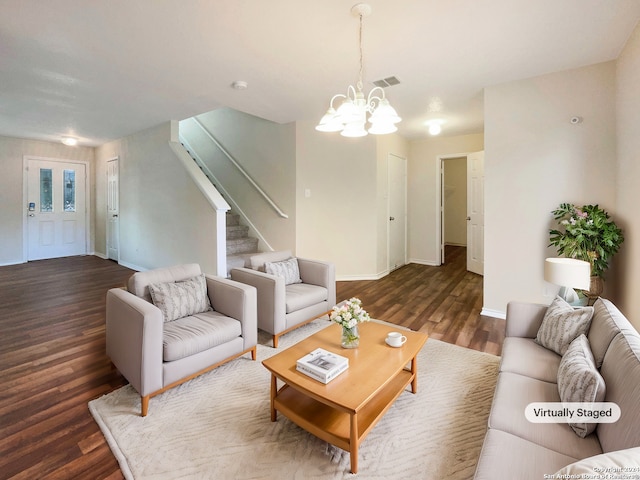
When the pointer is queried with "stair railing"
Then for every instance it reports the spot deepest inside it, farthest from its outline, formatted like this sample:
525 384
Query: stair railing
241 170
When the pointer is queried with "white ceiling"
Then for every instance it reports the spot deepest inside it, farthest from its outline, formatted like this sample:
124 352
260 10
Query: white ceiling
104 69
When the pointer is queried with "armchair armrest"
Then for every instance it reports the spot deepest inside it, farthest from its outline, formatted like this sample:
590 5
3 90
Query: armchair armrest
134 329
236 300
270 296
320 273
524 319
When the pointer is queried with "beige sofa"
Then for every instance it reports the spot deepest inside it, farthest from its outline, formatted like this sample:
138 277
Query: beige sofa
155 353
516 448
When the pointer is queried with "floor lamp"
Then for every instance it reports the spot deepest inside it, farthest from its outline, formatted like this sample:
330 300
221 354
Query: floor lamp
568 273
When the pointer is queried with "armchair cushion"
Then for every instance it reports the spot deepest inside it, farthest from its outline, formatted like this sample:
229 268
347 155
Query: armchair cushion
180 299
302 295
287 269
194 334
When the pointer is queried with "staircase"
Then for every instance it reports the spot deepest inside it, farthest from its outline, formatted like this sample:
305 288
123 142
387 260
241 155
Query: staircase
240 245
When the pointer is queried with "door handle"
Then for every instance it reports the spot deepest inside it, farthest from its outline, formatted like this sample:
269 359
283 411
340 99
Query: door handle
392 218
32 215
115 215
468 219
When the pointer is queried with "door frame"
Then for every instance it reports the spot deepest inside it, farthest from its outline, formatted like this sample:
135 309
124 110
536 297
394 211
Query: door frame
388 222
25 199
440 198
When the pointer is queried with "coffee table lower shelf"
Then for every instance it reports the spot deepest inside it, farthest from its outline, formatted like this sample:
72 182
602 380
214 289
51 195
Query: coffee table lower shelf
340 427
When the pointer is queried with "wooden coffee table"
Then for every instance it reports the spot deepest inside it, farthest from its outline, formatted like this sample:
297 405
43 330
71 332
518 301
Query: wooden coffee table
345 410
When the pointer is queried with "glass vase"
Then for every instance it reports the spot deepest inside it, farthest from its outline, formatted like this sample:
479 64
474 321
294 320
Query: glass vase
350 337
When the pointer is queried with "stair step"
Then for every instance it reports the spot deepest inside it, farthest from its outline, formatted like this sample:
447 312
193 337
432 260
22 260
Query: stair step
242 245
232 219
237 231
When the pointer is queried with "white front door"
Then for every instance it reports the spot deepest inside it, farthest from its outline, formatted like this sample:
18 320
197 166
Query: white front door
113 210
397 200
475 212
56 209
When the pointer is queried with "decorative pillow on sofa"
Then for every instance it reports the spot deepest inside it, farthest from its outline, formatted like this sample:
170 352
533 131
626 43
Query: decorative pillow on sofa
580 381
181 299
627 460
288 269
561 324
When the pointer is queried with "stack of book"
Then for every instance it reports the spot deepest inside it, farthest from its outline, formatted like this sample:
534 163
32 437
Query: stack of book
322 365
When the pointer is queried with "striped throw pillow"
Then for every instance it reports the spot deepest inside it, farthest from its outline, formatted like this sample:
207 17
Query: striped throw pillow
561 324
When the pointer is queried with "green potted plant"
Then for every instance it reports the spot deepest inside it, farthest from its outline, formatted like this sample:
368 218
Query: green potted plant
587 233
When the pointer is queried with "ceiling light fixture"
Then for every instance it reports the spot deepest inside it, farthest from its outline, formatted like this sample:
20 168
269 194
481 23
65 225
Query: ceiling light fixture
350 117
70 141
435 126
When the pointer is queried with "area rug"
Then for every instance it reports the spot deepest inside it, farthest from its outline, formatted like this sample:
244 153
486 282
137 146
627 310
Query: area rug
217 426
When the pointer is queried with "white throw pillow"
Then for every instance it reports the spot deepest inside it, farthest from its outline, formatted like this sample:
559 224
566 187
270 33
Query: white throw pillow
561 324
181 299
580 381
620 462
287 269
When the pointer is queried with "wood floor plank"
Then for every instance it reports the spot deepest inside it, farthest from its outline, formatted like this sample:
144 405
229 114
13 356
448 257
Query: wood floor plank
53 360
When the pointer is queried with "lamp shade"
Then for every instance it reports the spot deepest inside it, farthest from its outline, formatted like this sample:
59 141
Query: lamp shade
568 272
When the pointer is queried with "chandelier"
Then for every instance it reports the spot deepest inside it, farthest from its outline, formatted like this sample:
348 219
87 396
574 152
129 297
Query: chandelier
350 117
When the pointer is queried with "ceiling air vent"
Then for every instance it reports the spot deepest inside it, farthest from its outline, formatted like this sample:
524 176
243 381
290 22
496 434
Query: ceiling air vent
386 82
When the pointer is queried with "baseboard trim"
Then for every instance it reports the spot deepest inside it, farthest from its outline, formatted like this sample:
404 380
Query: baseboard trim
493 313
424 262
132 266
17 262
100 255
352 278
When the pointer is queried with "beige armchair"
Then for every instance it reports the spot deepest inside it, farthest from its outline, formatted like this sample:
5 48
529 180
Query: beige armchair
155 352
283 306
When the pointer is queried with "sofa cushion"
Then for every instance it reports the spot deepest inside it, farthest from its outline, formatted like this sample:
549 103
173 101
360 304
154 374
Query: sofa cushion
194 334
607 322
303 295
513 393
621 462
580 381
621 372
507 456
561 324
287 269
181 299
524 356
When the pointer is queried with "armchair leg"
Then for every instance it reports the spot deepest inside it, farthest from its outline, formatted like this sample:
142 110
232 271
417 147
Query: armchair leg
275 341
145 405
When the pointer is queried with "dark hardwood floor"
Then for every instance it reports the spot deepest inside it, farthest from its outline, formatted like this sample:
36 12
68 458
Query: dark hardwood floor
53 361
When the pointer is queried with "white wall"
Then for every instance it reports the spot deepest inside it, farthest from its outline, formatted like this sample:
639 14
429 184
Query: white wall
628 178
536 159
266 151
424 242
164 218
338 221
12 210
345 217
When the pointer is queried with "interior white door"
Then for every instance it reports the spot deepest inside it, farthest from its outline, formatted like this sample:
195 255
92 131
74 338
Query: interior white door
397 207
56 209
113 210
475 212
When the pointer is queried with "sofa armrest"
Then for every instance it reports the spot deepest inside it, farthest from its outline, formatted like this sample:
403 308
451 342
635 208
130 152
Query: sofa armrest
524 319
236 300
271 296
320 273
134 329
